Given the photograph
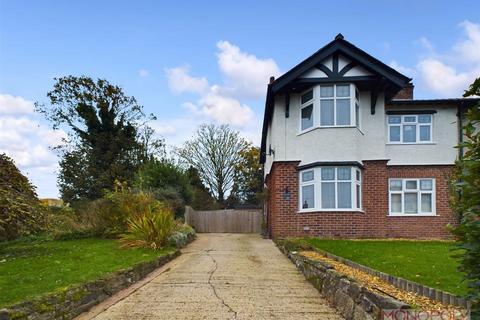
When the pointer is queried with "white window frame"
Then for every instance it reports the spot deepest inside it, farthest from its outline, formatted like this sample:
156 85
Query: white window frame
308 183
419 193
317 183
417 128
307 104
316 100
351 97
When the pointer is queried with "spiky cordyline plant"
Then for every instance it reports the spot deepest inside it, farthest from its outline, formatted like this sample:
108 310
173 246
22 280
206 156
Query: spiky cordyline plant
150 230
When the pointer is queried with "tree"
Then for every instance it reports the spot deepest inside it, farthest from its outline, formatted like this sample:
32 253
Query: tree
214 153
167 182
467 201
248 179
201 197
20 209
104 143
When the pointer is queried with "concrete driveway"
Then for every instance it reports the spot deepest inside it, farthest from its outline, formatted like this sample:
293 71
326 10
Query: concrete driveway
220 276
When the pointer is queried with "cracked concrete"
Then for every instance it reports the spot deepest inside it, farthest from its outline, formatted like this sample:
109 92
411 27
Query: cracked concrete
234 317
221 276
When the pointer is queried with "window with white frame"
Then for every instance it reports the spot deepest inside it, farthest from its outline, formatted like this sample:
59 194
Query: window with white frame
412 196
335 105
306 107
332 105
410 128
307 189
330 189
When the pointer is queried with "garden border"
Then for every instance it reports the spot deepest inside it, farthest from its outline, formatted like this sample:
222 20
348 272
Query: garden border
76 299
404 284
347 295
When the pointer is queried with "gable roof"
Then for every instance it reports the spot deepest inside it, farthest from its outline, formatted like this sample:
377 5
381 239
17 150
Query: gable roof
340 45
384 76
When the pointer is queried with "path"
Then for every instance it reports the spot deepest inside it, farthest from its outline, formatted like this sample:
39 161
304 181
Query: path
221 276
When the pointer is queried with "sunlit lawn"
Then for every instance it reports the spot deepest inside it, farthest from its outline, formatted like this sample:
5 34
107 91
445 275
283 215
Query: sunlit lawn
426 262
28 269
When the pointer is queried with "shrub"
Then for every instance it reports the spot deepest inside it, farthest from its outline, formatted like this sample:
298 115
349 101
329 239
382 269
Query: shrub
167 182
182 235
467 201
150 230
63 223
20 210
109 216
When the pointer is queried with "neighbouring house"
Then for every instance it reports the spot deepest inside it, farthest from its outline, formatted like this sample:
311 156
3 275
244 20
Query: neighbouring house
348 152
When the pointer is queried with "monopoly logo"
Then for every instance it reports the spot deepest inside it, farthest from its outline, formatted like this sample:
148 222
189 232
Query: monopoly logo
412 314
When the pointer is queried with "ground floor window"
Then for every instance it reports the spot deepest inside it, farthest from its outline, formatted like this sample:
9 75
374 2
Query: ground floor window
412 197
330 189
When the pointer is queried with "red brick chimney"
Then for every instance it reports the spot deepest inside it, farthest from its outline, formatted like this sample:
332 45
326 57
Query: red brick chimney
405 94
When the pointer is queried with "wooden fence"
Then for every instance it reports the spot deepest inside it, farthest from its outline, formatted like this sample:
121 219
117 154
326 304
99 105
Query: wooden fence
225 221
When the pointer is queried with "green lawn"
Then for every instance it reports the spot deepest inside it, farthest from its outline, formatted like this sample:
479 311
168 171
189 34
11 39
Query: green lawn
28 269
425 262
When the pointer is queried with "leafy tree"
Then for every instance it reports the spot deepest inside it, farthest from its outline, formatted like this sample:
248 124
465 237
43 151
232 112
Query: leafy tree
20 210
214 152
167 182
201 197
248 179
467 200
105 142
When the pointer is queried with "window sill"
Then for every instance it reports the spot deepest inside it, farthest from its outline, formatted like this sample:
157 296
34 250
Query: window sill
412 215
409 143
330 210
329 127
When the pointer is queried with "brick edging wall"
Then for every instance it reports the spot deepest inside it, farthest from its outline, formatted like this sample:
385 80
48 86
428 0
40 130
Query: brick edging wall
373 222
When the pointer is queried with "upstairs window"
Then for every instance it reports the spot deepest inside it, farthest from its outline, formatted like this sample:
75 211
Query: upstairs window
333 105
410 128
306 107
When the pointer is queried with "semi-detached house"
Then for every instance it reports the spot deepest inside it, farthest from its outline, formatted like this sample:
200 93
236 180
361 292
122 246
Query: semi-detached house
348 152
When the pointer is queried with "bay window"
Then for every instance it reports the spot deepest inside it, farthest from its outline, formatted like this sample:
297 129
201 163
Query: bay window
412 197
404 129
333 105
330 189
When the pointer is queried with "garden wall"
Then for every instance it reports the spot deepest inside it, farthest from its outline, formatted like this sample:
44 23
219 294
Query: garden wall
349 297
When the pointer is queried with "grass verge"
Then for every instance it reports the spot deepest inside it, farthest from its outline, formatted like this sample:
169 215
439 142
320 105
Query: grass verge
425 262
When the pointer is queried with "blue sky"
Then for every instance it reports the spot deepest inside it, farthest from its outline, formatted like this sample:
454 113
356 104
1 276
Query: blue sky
208 61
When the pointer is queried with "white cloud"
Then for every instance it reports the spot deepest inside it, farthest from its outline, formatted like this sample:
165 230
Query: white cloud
443 79
14 105
410 72
469 49
426 44
226 110
180 81
450 73
28 142
143 73
245 74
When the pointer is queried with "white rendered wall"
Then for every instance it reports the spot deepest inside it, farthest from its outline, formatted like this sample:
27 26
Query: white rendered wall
441 151
353 144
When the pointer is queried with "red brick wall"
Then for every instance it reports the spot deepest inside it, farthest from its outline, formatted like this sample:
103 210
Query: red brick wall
374 222
425 227
406 93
